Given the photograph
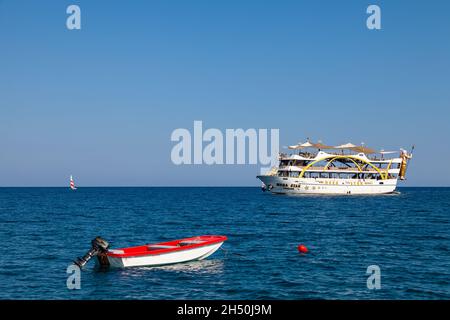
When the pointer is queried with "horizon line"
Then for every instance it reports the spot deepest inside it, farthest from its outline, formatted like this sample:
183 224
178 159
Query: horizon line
188 186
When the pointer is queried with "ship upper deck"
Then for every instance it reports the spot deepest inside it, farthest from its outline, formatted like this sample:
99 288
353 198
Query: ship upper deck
313 156
348 161
309 151
329 169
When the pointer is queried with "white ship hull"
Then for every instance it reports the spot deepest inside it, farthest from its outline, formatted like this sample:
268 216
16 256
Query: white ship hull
288 185
198 253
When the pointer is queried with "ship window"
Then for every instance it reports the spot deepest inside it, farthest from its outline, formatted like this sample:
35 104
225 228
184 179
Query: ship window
283 173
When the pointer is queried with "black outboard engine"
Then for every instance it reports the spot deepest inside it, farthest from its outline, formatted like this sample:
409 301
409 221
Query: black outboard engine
99 247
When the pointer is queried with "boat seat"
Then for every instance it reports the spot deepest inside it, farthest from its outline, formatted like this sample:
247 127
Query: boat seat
160 246
188 242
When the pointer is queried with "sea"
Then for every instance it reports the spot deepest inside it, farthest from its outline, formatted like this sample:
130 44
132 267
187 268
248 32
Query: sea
404 237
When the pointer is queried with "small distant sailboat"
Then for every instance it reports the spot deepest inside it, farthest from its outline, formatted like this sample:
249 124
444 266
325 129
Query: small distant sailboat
72 184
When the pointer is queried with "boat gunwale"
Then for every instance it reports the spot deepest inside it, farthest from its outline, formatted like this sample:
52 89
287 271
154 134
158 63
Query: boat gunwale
214 239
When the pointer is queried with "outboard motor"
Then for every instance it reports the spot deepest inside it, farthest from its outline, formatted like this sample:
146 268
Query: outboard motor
99 248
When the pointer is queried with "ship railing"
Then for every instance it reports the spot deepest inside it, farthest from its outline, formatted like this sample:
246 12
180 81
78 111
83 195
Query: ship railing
328 169
273 171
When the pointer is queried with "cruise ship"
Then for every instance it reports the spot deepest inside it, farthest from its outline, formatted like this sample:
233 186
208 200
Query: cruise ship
315 168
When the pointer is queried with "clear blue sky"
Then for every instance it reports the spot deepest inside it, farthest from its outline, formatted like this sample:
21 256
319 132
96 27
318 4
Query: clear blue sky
100 103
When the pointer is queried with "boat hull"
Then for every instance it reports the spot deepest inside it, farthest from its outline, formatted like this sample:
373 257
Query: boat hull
177 251
165 258
288 185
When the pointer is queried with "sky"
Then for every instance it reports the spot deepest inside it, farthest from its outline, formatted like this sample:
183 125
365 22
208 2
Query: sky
101 102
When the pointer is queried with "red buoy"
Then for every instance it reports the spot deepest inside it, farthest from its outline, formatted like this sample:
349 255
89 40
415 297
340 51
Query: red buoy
302 248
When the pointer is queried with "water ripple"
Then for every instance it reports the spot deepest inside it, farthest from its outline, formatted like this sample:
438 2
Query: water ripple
406 234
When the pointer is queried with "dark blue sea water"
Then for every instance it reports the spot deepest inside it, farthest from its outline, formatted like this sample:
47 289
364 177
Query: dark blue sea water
407 235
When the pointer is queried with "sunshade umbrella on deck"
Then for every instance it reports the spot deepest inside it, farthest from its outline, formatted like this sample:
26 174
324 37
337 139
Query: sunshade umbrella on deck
345 146
363 149
306 144
320 145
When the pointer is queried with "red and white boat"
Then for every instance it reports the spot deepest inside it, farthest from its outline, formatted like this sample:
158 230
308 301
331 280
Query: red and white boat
175 251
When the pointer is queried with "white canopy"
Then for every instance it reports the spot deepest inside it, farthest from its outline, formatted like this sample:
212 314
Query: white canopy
306 144
346 146
351 146
319 145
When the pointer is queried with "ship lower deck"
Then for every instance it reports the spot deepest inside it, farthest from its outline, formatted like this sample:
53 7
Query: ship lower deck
286 185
